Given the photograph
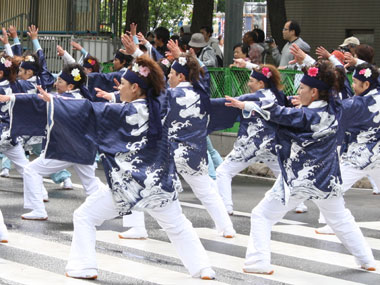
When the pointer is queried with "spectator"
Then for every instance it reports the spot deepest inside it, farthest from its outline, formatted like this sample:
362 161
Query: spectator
150 37
184 30
260 40
161 38
255 50
204 52
365 52
221 43
207 31
240 51
349 45
291 33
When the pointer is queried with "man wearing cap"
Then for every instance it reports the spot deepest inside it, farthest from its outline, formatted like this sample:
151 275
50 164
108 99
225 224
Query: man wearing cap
204 52
290 33
349 45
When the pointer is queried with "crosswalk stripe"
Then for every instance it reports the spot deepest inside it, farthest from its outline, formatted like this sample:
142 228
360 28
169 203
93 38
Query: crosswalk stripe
310 233
28 275
223 261
197 206
304 252
370 225
109 263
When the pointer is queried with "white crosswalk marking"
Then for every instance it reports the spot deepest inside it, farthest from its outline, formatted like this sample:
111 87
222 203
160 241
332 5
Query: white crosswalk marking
109 263
29 275
370 225
310 233
282 274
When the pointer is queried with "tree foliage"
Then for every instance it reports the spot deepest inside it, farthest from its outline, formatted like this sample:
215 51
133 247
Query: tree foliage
167 13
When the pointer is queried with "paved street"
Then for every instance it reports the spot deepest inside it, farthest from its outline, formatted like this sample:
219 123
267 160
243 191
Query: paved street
37 250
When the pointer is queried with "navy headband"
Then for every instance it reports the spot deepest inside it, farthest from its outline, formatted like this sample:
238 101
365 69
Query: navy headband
181 68
361 75
314 83
261 77
132 77
29 65
87 64
68 78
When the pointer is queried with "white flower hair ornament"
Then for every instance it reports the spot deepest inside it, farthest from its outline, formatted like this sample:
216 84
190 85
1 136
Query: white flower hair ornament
135 67
366 72
76 74
7 63
29 58
182 60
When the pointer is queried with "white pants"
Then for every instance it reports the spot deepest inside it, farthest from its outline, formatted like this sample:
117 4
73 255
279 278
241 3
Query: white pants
204 189
17 155
33 179
229 169
269 212
100 206
350 175
3 227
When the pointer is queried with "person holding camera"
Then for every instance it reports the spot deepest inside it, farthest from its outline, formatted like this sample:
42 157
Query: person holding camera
290 33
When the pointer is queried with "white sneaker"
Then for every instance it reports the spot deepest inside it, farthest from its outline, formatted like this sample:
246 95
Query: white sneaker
83 274
134 233
35 215
301 208
326 230
3 233
67 184
369 266
376 192
207 274
258 268
229 233
4 172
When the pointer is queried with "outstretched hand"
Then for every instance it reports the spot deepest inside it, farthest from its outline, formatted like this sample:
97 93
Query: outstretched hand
103 94
349 59
33 32
128 43
12 31
76 46
142 39
4 37
322 53
174 48
43 94
133 28
299 54
4 98
232 102
239 62
60 51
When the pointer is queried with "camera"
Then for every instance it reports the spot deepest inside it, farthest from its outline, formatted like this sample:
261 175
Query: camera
269 40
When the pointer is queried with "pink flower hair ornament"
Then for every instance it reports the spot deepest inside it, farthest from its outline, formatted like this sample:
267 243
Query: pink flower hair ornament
366 72
312 72
266 71
144 71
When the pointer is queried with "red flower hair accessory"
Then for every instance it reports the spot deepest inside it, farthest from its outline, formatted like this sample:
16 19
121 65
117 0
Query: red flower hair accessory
312 72
266 71
91 61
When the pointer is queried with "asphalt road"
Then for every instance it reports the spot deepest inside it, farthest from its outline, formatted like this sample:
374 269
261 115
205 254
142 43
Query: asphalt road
37 251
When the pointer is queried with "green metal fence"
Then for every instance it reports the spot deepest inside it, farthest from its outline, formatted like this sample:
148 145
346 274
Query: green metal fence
233 82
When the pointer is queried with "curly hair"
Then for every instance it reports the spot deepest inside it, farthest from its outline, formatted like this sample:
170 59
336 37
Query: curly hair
155 78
